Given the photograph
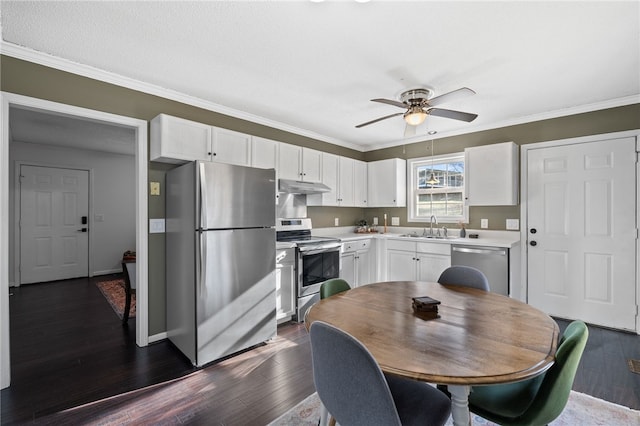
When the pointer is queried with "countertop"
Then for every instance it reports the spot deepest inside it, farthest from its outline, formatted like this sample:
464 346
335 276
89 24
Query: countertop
507 239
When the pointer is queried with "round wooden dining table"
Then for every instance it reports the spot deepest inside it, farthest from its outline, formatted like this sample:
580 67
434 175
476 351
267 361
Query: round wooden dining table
478 338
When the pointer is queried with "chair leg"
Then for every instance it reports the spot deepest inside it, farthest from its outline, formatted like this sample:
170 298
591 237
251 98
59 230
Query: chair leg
324 415
127 307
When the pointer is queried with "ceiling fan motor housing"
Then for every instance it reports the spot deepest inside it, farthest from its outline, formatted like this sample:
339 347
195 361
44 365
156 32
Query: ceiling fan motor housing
416 96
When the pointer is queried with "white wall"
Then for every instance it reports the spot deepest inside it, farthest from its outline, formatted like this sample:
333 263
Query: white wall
112 194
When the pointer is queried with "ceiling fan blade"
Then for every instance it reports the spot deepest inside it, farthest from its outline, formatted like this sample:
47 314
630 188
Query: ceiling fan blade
379 119
409 131
391 102
451 96
456 115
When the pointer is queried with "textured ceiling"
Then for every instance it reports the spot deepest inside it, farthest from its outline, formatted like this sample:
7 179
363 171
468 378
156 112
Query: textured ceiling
313 67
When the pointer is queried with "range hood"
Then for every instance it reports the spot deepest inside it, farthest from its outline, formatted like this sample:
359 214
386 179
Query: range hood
291 186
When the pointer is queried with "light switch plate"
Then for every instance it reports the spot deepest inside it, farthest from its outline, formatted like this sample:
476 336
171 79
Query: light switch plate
513 224
336 221
395 221
156 226
484 223
375 221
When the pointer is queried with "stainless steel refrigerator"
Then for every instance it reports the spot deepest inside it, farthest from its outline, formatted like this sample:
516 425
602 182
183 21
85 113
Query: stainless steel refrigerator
220 258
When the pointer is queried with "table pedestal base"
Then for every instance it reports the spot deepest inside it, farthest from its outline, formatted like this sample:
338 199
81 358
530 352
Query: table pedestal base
460 405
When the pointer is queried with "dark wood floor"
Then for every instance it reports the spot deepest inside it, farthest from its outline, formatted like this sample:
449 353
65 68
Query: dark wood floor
74 363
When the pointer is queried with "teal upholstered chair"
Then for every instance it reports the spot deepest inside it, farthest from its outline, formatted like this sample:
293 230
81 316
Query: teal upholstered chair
333 286
540 400
351 385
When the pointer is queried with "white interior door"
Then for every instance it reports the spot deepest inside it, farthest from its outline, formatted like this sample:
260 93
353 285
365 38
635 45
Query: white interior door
582 231
54 241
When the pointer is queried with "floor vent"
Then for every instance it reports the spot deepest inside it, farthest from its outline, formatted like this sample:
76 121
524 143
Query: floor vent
634 365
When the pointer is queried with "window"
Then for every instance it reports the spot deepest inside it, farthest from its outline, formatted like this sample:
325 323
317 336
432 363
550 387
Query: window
443 199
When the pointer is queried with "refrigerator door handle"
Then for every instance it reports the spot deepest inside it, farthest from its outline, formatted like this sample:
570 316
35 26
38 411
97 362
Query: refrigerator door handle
203 266
203 197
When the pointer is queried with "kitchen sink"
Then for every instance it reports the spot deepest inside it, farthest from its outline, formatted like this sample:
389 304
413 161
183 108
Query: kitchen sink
431 237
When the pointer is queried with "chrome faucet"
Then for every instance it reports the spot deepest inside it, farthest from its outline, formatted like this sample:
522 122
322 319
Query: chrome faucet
431 220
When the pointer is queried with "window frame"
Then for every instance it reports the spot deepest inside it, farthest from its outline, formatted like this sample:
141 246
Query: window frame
412 191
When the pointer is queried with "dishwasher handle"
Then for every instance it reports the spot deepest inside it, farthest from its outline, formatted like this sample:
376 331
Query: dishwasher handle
480 250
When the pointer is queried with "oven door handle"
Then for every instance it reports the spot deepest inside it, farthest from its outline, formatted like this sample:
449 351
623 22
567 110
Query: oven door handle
320 250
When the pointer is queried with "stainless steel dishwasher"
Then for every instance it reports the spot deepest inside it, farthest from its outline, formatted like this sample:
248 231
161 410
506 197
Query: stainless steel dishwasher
492 261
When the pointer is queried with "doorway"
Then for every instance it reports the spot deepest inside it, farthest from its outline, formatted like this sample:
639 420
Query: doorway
580 229
139 127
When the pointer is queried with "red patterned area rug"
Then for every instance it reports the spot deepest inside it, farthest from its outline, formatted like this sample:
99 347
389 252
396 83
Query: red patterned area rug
114 292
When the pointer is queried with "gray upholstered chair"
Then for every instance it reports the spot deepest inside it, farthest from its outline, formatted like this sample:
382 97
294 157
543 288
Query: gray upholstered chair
328 289
464 276
536 401
351 385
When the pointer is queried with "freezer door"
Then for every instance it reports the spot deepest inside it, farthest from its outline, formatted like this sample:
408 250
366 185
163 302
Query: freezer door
236 291
236 197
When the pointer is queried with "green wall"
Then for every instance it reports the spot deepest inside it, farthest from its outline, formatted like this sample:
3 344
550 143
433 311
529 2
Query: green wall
29 79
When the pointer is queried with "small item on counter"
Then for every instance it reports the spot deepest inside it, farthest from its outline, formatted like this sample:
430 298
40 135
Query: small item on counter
473 235
361 226
463 232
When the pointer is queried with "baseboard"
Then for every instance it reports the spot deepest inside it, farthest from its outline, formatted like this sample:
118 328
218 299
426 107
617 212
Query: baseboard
158 337
107 272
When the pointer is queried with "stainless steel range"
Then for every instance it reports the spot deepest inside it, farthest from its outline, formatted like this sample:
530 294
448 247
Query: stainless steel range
317 260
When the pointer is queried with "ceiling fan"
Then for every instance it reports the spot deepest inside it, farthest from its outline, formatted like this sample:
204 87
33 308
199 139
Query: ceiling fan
418 105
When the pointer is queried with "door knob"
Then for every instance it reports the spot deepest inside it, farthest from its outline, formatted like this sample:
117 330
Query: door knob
533 230
533 243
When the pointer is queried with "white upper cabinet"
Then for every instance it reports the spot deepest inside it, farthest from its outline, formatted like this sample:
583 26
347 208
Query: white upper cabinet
387 180
330 172
311 165
345 182
491 175
231 147
176 140
337 174
264 153
290 161
360 195
295 162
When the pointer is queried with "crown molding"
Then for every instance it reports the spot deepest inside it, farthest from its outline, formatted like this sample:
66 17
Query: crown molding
45 59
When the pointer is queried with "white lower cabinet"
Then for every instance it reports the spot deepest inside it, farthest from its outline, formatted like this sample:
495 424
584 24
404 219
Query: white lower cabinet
416 261
355 264
285 282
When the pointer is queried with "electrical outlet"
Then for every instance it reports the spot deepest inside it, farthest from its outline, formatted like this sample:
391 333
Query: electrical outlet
154 188
375 221
513 224
484 223
395 221
336 221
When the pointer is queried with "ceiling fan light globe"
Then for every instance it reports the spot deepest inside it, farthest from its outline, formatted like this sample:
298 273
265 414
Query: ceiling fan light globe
415 118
